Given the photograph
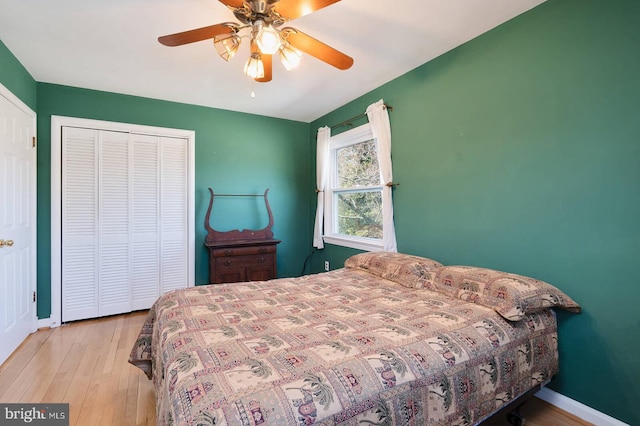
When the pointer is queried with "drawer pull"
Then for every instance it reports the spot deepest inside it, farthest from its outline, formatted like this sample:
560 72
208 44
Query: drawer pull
262 260
228 252
228 263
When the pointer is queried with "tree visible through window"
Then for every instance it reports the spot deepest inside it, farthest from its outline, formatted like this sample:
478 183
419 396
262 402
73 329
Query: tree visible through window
358 192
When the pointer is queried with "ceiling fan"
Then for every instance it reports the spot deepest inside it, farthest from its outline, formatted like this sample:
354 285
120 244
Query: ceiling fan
264 19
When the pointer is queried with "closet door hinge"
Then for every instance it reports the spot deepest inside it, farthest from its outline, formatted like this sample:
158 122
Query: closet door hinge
34 296
33 142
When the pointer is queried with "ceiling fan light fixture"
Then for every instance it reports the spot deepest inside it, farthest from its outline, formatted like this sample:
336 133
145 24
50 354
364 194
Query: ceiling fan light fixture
254 67
227 45
290 56
264 19
267 38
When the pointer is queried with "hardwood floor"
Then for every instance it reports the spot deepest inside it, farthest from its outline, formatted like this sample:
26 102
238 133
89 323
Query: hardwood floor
540 413
85 364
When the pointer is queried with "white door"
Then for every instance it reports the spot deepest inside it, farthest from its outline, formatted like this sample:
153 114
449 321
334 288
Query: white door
80 223
95 223
122 216
160 232
17 223
125 221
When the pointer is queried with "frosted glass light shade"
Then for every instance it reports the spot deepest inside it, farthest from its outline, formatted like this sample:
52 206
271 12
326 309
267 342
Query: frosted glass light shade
290 56
268 40
254 67
227 45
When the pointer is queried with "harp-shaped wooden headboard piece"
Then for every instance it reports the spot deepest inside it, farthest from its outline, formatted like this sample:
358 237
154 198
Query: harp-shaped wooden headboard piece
235 234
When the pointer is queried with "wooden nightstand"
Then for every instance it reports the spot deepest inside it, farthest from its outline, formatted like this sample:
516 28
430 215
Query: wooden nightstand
235 261
237 256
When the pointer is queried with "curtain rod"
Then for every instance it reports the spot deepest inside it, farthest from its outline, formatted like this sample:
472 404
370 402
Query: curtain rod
350 121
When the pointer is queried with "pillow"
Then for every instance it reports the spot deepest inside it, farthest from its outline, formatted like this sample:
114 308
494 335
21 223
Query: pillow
404 269
512 296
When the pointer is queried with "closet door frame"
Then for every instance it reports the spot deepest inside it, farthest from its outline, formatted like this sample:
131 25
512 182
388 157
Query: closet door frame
57 123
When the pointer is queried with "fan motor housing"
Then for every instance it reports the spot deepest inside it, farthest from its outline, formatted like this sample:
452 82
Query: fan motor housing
259 10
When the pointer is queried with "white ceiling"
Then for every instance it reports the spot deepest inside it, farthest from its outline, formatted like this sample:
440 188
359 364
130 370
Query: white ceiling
112 45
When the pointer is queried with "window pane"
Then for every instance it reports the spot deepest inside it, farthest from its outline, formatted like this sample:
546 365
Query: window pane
358 165
360 214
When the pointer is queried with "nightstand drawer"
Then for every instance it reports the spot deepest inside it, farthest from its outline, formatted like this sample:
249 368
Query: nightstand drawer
243 251
244 261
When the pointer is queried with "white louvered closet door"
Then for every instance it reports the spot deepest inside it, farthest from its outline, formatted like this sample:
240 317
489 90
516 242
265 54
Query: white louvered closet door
146 220
160 233
79 223
126 194
173 198
114 201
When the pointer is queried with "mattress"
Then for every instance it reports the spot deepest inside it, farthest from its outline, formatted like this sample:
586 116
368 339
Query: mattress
346 347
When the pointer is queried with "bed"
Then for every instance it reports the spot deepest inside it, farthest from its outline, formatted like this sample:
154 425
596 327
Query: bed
390 339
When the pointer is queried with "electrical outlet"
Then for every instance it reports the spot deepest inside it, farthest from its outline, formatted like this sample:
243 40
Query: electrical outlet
326 265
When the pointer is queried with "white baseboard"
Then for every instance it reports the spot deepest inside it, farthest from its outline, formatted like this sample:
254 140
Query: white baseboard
44 323
51 322
578 409
54 321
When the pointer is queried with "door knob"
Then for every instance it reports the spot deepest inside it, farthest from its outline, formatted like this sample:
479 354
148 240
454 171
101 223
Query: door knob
9 243
1 243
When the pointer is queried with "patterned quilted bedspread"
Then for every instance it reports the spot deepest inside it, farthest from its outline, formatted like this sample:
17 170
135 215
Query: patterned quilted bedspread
344 347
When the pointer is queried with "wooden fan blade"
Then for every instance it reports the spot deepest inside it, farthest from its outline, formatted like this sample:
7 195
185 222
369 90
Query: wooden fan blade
232 3
199 34
267 61
291 9
316 48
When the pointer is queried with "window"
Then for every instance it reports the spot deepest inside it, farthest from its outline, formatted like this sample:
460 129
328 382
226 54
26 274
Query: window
354 179
354 196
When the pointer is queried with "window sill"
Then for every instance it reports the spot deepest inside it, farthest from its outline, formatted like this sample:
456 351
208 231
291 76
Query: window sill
359 243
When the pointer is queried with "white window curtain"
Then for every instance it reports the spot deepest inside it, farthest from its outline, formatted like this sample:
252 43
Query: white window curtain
381 128
322 163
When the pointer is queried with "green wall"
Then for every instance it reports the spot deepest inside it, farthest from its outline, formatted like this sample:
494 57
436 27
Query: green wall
517 151
520 151
16 78
235 153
